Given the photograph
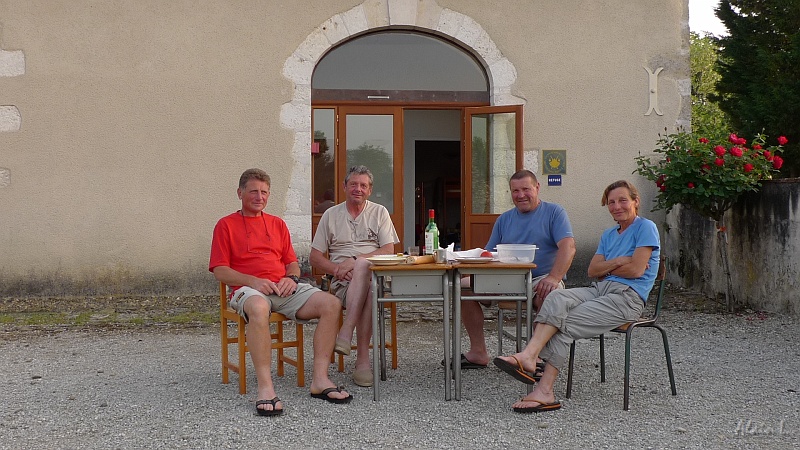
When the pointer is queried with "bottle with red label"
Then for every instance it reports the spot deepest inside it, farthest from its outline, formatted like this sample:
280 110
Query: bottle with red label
431 235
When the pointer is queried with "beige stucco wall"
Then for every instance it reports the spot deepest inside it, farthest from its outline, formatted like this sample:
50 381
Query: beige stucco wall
135 119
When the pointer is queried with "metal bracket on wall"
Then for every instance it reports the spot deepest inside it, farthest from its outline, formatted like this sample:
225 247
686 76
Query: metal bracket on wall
653 81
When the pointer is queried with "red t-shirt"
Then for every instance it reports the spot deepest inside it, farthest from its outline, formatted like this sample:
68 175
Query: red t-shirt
260 246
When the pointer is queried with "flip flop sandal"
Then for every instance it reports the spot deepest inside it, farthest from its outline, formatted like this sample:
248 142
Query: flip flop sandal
467 364
541 407
516 371
269 412
324 396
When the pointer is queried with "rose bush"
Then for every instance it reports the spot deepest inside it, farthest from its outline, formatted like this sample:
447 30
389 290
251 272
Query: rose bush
708 173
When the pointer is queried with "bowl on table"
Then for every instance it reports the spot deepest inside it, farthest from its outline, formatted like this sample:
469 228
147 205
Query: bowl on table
516 253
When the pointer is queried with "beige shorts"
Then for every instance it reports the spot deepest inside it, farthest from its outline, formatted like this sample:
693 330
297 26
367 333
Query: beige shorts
288 306
339 289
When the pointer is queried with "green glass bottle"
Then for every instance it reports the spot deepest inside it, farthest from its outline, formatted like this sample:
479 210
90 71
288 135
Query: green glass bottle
431 235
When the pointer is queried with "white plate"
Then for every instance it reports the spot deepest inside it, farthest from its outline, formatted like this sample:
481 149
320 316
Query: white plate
474 259
386 260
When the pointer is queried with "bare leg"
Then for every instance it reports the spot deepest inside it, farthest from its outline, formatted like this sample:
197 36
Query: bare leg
357 301
260 344
543 392
364 334
528 356
472 316
326 308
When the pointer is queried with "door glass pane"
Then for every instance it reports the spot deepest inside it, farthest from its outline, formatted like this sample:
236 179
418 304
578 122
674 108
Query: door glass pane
493 162
322 158
370 141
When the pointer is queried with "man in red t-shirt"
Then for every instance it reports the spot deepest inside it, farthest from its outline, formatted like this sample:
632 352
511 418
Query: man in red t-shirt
252 252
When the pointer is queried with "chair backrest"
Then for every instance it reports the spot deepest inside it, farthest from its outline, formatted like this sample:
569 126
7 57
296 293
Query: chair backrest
661 280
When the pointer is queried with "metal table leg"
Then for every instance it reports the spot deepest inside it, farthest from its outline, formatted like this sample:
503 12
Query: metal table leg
447 288
375 331
456 360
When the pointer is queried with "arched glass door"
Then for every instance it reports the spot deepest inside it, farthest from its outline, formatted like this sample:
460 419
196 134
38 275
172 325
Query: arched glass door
360 91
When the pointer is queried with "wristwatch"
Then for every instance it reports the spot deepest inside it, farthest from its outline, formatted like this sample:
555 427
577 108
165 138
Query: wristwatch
294 278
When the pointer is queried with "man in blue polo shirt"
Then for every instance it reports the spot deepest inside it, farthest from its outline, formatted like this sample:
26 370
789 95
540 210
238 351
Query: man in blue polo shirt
532 221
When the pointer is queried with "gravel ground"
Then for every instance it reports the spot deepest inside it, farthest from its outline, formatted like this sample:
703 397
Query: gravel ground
159 387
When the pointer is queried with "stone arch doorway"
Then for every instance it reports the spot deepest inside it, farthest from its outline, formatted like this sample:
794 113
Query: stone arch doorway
426 16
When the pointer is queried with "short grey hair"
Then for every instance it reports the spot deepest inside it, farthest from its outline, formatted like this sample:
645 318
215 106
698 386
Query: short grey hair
358 170
522 174
253 174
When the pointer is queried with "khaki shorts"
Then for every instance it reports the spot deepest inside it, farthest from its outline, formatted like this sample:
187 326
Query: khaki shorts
339 289
288 306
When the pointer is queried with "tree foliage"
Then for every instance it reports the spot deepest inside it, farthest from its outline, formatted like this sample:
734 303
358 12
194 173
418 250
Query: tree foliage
759 67
707 117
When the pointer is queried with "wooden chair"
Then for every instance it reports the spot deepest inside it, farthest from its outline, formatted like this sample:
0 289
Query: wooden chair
390 345
279 344
628 330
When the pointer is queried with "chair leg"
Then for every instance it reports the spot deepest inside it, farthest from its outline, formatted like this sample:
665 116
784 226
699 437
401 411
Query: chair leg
627 388
341 357
519 326
242 348
499 330
279 339
569 368
393 315
669 359
392 346
381 347
602 359
301 362
224 339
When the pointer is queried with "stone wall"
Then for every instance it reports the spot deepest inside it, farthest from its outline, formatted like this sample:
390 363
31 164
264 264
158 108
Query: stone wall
763 244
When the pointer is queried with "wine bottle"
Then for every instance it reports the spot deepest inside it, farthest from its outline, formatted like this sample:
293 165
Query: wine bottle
431 235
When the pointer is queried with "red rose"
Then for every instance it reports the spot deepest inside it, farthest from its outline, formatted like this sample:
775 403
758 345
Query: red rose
660 180
662 188
690 185
741 141
782 140
736 151
756 147
705 168
748 167
719 150
719 162
767 154
733 138
777 162
703 140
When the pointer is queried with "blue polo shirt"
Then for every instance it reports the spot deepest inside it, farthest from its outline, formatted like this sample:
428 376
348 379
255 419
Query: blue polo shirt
641 233
543 227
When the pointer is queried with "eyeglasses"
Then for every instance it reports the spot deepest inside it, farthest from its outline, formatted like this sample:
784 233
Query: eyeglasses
262 251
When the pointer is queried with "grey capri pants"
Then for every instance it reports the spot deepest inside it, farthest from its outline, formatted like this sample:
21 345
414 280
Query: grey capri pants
585 312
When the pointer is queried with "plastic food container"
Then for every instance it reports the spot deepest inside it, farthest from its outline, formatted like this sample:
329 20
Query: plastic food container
516 253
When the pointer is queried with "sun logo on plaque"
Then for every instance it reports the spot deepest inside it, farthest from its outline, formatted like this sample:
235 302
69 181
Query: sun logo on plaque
554 162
